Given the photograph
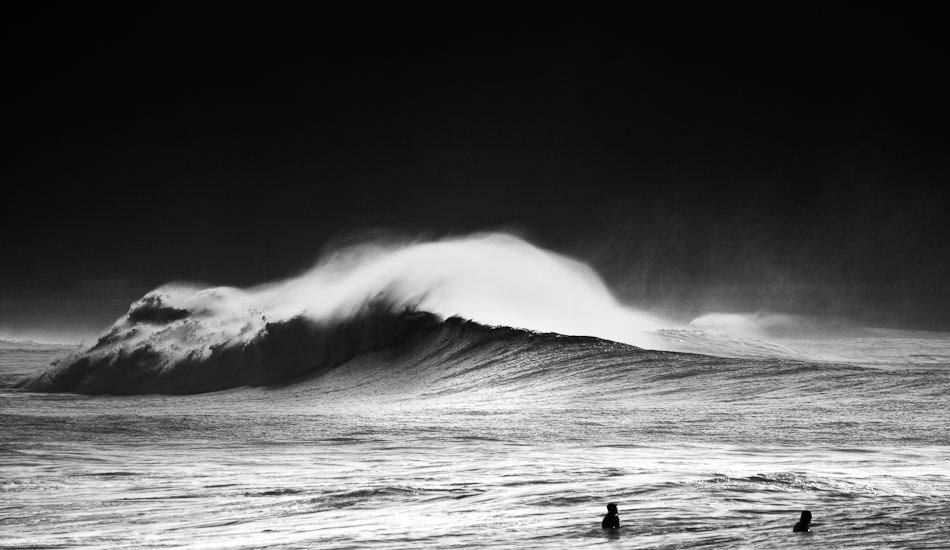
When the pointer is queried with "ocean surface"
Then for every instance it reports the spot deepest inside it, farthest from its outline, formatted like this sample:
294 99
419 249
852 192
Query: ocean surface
212 419
463 436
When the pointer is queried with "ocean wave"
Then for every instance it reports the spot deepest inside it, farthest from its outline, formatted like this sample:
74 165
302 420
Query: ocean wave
182 338
150 351
158 348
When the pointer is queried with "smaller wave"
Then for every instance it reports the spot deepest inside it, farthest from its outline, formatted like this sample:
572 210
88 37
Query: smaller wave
778 325
30 345
274 493
709 342
765 335
785 482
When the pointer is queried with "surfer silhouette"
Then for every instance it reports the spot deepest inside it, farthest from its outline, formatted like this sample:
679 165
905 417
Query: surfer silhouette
802 525
611 520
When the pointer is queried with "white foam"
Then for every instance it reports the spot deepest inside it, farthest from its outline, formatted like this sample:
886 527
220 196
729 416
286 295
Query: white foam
494 279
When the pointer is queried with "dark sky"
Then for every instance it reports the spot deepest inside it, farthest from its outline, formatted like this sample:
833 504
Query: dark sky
166 143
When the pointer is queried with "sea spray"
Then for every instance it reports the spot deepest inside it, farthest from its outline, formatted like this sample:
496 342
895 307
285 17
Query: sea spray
182 338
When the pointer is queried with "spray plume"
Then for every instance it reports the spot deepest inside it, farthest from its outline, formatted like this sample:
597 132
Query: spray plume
181 338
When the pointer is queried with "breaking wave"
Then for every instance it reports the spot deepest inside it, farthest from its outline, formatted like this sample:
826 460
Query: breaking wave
186 339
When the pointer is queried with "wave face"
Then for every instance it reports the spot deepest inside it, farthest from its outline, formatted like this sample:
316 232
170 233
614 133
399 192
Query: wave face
185 339
161 349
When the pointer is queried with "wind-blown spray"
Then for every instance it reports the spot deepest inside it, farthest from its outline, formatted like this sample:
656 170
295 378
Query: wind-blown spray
181 338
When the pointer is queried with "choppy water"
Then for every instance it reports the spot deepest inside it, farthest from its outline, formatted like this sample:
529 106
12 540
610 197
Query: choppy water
465 437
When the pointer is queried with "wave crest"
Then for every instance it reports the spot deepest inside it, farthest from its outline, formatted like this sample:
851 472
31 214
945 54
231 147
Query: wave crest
181 338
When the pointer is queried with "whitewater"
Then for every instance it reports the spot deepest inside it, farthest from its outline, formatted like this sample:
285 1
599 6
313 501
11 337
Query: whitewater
469 392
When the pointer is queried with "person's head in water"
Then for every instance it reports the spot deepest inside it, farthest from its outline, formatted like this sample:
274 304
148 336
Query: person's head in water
612 519
802 525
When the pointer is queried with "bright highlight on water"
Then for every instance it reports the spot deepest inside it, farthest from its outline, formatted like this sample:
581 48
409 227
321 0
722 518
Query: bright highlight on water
470 392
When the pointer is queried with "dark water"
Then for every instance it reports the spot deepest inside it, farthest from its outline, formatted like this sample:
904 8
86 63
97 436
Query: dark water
460 436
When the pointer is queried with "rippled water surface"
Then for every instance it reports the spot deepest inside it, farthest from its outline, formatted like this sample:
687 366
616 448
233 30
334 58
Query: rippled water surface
493 450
